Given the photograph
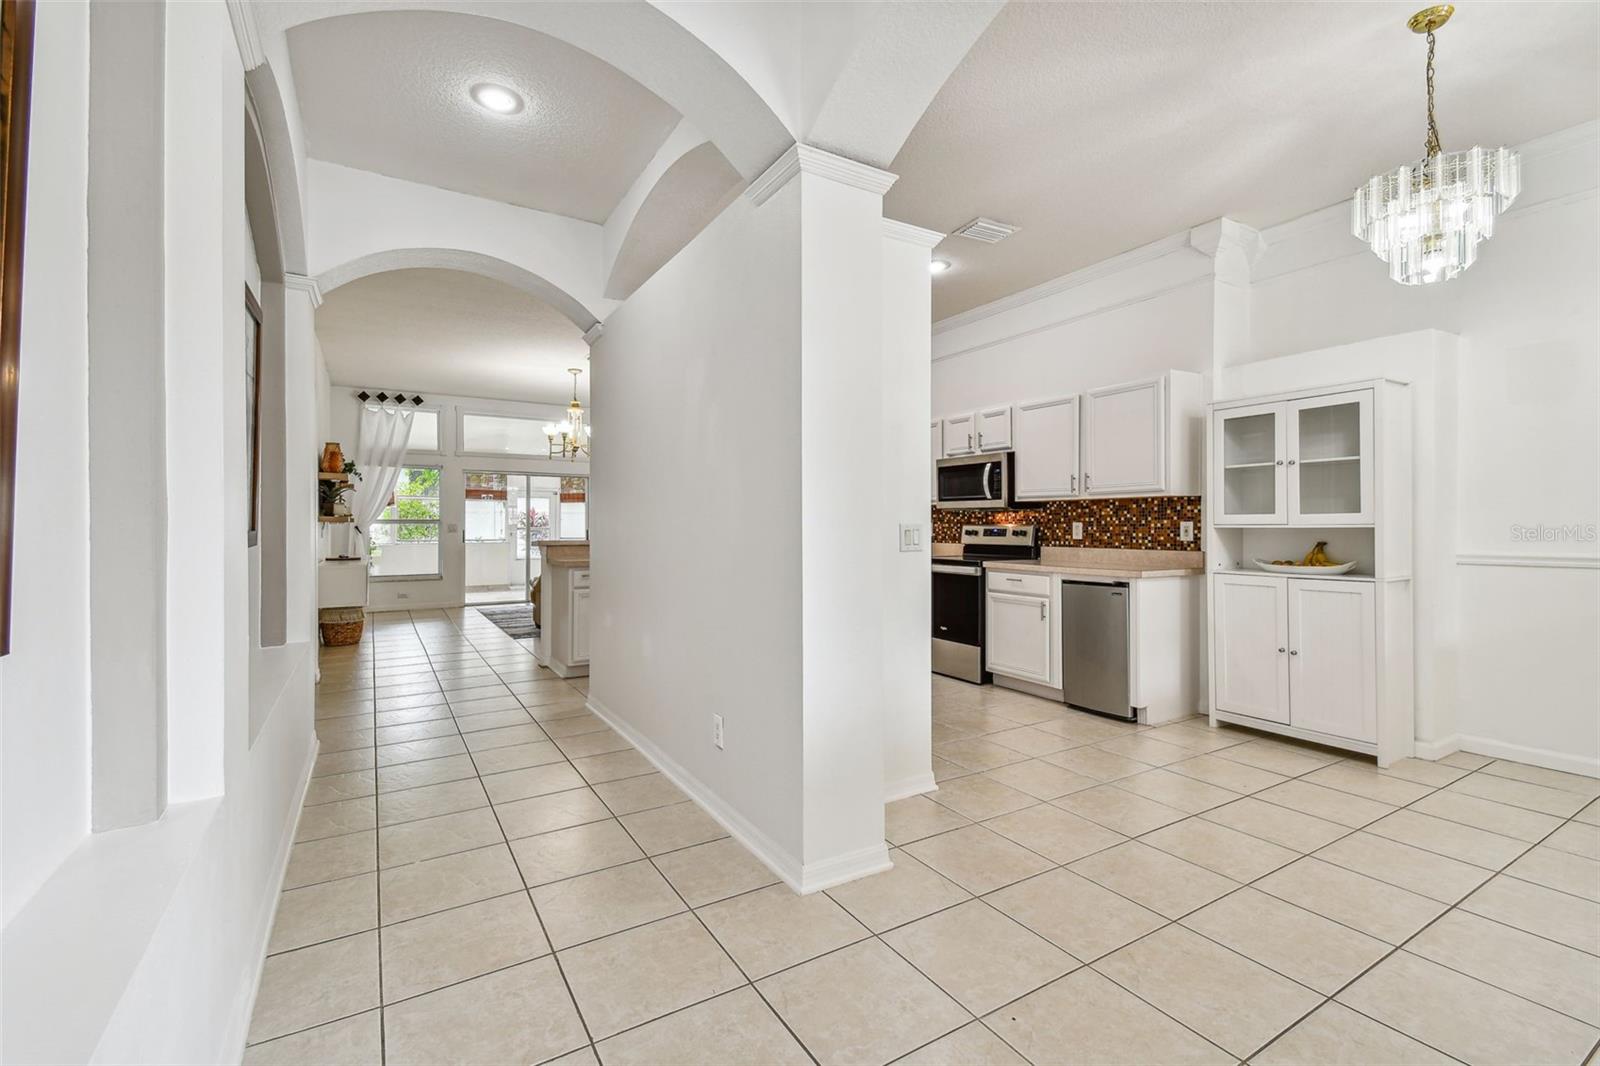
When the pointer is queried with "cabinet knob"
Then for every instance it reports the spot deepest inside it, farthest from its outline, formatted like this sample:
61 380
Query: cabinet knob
1280 462
1291 462
1282 650
1294 653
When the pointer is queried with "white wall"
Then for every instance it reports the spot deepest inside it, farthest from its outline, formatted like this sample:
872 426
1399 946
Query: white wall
44 710
906 618
449 589
144 944
691 619
1139 315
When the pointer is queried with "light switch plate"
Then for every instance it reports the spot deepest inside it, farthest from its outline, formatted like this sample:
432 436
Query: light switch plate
1186 532
716 730
1077 531
910 537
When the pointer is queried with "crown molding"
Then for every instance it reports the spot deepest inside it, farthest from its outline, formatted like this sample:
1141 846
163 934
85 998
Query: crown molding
1095 271
807 159
896 230
305 284
246 35
593 333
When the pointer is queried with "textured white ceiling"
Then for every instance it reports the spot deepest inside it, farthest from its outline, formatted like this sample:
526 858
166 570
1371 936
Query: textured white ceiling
387 91
447 331
1098 127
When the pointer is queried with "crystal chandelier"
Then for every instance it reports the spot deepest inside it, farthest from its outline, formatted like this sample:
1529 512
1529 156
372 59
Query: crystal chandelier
569 439
1425 219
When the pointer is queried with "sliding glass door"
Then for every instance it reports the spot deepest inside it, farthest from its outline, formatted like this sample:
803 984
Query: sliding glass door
505 515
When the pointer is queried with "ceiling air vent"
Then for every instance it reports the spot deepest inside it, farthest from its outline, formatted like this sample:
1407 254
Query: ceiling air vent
986 230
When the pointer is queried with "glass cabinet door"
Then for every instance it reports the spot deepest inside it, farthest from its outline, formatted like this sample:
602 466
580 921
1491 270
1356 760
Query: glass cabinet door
1330 459
1248 454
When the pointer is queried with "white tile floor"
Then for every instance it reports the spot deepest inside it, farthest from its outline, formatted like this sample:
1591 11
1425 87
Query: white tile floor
484 873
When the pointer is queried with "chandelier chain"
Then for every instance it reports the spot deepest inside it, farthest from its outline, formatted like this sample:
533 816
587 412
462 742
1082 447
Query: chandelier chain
1431 148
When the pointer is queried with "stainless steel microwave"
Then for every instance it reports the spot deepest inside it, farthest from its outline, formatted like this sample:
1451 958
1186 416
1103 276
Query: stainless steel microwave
975 482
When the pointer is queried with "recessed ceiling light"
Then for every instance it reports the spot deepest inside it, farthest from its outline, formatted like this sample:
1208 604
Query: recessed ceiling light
938 266
496 98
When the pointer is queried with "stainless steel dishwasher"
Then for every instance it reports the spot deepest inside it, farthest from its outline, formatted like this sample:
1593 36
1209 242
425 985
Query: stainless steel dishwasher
1094 646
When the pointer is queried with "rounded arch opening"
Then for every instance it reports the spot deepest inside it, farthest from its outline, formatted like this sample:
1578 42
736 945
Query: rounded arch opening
460 259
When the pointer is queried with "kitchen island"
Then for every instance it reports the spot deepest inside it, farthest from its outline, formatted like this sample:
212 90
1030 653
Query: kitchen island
564 607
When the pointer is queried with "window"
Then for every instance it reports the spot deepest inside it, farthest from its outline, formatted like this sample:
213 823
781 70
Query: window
502 435
404 539
424 432
486 521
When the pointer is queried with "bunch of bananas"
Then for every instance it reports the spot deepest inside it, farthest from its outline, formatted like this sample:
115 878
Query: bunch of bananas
1317 556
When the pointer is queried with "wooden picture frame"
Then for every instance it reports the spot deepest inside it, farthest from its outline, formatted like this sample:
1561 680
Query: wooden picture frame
16 81
252 410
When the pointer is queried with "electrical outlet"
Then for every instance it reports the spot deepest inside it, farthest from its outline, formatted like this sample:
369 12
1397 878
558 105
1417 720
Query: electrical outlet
716 730
1077 531
1186 532
402 595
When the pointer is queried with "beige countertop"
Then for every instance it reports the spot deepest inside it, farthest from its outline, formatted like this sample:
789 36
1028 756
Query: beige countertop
1122 573
564 552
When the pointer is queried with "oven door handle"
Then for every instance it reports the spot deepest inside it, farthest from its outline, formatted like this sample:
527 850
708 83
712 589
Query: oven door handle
958 571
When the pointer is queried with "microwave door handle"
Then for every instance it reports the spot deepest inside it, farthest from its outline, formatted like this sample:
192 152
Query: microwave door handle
986 493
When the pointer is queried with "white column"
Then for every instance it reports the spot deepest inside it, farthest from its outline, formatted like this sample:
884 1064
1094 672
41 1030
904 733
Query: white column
906 613
304 448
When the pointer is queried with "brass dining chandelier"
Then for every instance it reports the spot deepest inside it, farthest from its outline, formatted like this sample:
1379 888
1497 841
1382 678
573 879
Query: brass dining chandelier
1426 218
569 439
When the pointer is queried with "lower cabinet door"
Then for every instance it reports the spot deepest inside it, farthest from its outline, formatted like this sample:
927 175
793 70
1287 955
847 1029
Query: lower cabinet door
1250 649
579 620
1333 680
1017 643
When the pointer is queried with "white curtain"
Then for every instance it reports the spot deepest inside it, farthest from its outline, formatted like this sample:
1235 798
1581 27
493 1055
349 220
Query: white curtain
380 453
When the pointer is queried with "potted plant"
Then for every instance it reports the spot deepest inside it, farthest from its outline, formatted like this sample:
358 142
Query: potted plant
333 497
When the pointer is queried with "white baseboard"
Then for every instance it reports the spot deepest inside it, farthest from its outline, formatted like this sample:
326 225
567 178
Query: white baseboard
794 873
239 1026
915 785
1435 750
1499 749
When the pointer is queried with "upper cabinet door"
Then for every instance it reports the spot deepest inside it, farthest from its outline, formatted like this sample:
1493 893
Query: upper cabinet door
1330 460
1124 439
935 453
1248 466
994 429
1046 465
1250 645
960 435
1332 650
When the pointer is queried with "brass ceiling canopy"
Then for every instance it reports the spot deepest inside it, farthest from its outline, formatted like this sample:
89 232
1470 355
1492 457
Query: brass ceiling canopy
1430 18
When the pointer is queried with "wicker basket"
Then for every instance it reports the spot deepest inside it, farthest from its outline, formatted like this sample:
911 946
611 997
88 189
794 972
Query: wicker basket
341 626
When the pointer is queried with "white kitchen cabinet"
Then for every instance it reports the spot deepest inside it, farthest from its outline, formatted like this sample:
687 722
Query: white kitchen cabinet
1250 653
1018 640
1124 438
1332 646
1340 472
960 435
1306 461
1047 449
935 453
1248 447
994 429
1330 459
578 617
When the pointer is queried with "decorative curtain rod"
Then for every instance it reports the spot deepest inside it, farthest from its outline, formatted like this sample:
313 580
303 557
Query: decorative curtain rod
384 397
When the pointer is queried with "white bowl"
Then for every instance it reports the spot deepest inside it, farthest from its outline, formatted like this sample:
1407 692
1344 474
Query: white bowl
1321 571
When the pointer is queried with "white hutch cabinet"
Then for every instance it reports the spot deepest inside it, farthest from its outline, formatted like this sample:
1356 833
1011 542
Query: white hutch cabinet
1322 657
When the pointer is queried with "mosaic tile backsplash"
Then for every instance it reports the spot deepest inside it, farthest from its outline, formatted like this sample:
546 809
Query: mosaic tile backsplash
1121 522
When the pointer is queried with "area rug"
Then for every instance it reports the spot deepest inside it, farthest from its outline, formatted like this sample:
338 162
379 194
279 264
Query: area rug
516 619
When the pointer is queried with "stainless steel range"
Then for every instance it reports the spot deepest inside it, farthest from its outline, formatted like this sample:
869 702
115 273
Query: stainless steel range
958 596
